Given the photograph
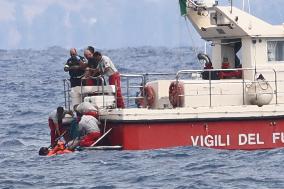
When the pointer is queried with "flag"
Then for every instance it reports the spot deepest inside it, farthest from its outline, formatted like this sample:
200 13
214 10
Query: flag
182 4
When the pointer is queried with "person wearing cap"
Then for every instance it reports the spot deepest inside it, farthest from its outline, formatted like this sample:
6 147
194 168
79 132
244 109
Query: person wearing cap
106 67
57 122
75 65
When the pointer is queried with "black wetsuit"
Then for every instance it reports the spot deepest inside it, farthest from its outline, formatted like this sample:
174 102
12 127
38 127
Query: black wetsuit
75 75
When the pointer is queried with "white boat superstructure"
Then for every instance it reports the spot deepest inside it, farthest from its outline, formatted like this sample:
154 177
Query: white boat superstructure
235 102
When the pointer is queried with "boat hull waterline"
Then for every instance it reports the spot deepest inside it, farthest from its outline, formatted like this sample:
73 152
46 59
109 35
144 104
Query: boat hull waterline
242 134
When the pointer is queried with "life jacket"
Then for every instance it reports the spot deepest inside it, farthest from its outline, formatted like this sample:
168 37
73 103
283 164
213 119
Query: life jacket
59 149
225 65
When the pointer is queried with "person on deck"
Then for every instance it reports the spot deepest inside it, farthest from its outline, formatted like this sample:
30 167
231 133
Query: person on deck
89 55
86 108
76 68
57 125
88 132
106 67
92 63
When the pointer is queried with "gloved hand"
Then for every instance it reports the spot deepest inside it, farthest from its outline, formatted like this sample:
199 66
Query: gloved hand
66 68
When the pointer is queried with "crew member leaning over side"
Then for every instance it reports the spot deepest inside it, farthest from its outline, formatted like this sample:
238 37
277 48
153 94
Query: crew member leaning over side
89 130
56 125
106 67
88 127
92 63
76 67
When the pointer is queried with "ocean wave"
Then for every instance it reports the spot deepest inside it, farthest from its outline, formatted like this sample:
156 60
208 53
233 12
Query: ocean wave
32 86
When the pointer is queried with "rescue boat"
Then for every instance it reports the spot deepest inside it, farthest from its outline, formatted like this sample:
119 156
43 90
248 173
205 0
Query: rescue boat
236 102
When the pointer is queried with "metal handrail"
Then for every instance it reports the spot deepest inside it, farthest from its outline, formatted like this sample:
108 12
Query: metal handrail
66 97
144 78
179 73
178 76
130 76
102 85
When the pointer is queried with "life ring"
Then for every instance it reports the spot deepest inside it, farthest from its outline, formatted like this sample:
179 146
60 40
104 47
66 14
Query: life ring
176 94
149 95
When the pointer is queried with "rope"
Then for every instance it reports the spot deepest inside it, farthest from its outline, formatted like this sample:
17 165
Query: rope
190 36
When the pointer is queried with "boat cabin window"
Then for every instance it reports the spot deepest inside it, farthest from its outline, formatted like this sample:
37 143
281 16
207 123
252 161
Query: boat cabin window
275 51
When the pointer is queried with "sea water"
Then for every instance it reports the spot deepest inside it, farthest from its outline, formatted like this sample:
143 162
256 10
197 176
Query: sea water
31 86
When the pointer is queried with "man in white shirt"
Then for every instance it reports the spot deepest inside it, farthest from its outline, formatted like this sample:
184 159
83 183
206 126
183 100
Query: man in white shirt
106 67
55 122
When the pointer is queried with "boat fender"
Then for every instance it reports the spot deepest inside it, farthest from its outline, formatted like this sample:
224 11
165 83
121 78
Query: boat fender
260 92
176 94
149 95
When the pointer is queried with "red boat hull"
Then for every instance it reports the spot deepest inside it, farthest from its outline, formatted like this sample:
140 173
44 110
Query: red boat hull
238 134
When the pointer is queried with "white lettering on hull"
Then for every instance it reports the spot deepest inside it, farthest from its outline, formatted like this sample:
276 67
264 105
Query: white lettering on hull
210 140
249 139
277 137
241 140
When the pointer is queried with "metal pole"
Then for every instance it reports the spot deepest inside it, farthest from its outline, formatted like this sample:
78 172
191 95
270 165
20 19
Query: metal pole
127 89
64 88
249 6
276 89
243 87
82 91
210 91
68 96
103 84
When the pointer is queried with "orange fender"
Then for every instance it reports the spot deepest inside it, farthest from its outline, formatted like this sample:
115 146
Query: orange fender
176 94
149 95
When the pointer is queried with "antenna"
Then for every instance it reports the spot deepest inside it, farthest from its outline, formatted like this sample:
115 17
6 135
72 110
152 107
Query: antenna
249 6
231 6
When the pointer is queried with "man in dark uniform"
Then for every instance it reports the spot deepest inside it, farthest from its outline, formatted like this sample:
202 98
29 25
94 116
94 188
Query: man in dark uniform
76 68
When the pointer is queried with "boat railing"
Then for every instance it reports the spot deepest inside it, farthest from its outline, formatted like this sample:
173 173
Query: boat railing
138 81
66 90
133 81
210 72
101 81
133 84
